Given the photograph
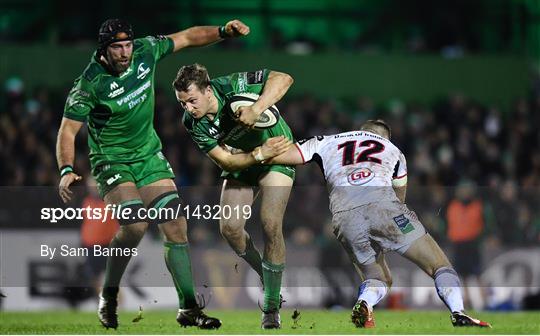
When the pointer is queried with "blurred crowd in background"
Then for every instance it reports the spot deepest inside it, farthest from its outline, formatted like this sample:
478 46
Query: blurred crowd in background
469 164
449 27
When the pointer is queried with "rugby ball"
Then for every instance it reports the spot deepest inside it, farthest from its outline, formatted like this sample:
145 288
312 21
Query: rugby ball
267 119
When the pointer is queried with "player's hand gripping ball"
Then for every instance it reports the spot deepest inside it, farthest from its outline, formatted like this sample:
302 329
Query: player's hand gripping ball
268 118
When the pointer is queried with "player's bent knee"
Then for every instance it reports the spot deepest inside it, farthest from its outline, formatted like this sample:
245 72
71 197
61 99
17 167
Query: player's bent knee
273 229
232 223
231 232
175 231
271 222
167 207
133 232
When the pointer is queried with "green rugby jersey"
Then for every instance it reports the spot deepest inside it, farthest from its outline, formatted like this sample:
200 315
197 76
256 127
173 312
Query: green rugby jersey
119 110
208 134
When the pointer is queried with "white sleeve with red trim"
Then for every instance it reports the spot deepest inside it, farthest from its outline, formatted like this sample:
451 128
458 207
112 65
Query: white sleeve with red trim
400 173
309 147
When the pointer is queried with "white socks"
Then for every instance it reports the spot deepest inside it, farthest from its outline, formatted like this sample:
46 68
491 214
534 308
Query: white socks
372 291
449 288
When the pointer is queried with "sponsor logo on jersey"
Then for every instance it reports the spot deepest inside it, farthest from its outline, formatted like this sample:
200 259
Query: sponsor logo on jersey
360 176
133 98
213 131
113 179
303 141
154 39
403 223
255 77
115 90
242 82
74 96
142 71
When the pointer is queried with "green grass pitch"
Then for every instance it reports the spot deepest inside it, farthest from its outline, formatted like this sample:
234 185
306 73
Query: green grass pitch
248 322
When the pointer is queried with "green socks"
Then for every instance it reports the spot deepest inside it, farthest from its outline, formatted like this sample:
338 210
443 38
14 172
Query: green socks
116 265
252 256
272 285
179 265
269 273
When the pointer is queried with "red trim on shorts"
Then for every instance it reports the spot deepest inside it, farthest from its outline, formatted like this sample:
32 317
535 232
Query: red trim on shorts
398 177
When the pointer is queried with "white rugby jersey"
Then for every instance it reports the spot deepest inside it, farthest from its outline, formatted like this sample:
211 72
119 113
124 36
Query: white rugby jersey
359 167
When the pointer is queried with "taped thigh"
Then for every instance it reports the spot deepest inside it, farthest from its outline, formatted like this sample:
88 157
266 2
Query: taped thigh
133 215
165 208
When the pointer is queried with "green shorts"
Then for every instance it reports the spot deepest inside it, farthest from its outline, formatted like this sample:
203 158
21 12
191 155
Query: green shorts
251 175
144 172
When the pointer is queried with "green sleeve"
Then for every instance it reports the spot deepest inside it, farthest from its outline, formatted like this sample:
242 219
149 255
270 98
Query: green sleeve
252 81
160 46
200 134
80 100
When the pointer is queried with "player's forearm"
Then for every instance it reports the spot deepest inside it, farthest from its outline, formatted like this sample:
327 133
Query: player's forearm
65 148
195 37
277 84
239 161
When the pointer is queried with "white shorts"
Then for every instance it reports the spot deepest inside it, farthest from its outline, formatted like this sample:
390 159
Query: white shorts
367 229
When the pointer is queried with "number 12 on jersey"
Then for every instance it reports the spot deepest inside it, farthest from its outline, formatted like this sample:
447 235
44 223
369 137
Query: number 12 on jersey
349 148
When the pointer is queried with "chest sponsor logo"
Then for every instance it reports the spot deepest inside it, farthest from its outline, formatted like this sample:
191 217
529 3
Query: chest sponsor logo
142 71
136 97
115 90
213 131
360 176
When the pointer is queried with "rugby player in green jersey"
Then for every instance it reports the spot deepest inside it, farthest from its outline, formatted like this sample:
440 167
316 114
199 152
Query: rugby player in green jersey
211 127
115 97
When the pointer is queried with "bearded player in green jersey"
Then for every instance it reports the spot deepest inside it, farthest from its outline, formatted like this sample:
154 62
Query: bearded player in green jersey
210 126
115 96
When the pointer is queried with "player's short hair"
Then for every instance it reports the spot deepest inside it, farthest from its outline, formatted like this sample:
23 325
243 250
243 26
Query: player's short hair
191 74
376 126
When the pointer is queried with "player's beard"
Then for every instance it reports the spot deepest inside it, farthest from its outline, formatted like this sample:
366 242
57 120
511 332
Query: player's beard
121 65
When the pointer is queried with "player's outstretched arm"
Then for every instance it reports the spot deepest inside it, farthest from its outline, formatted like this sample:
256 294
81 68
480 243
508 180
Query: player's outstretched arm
65 156
277 84
228 161
203 35
291 157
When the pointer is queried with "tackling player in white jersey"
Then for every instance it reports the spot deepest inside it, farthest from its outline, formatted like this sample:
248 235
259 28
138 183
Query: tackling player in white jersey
366 176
